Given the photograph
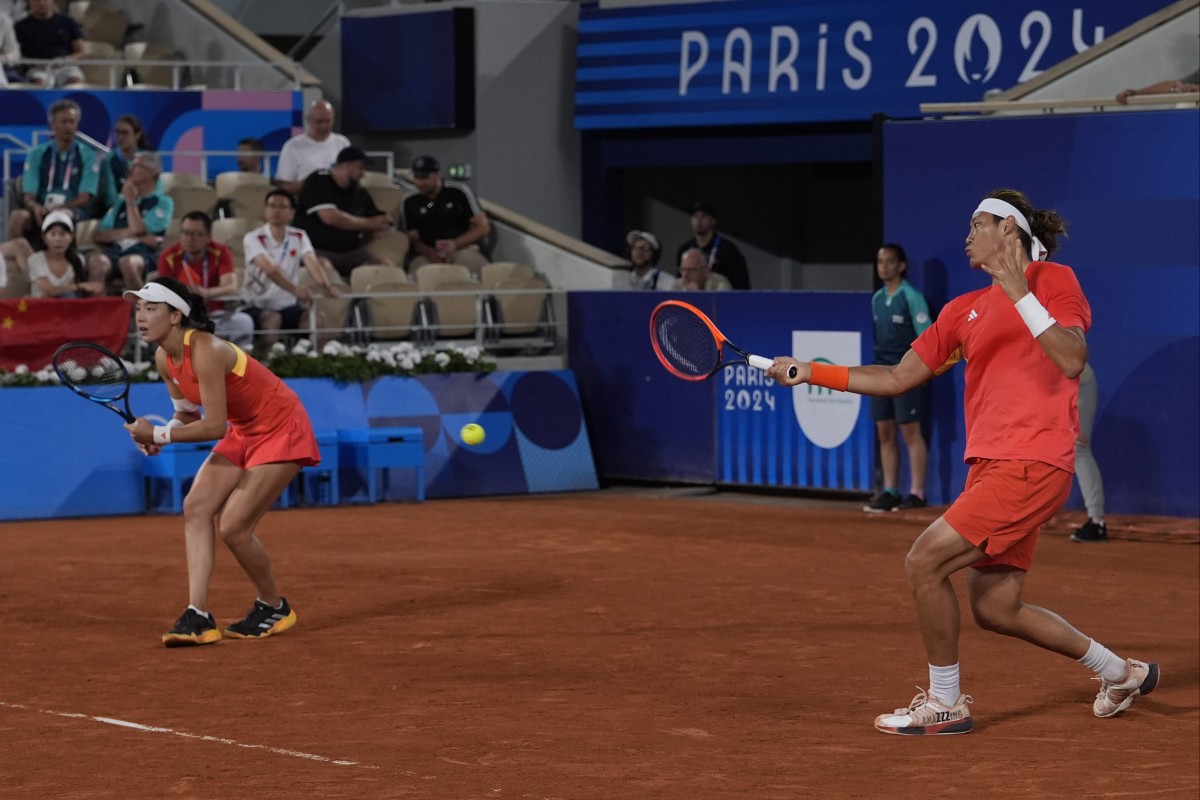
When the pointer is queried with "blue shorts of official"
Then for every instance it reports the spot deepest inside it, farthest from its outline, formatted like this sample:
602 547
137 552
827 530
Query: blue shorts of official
912 406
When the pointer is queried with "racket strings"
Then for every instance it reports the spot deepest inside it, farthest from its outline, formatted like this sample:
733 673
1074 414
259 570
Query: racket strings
686 342
92 372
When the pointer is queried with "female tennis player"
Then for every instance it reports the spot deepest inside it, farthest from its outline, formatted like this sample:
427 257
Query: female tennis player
264 439
1023 342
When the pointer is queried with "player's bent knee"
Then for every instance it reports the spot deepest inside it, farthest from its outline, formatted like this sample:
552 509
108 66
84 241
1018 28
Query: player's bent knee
995 620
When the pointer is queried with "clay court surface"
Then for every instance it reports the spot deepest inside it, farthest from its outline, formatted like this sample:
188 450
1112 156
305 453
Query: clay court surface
609 645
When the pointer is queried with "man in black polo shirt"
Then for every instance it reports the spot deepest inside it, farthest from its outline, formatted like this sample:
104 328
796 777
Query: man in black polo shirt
339 215
46 33
723 255
444 220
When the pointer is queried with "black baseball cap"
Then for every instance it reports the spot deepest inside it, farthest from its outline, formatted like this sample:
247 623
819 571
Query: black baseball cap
703 205
423 165
352 153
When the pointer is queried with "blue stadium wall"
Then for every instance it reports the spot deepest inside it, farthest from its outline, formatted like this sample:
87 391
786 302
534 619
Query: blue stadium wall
1129 184
63 457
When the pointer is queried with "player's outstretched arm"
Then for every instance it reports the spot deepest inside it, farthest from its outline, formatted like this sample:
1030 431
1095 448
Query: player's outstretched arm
872 379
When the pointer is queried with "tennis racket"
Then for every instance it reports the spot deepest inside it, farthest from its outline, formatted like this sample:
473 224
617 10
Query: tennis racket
95 373
690 346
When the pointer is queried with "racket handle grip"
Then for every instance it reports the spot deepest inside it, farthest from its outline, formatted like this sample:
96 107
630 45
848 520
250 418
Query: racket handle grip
760 363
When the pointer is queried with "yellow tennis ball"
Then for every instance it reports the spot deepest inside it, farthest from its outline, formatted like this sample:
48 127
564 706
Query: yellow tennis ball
472 434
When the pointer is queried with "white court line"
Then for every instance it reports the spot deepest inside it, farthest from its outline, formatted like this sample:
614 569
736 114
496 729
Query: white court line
219 739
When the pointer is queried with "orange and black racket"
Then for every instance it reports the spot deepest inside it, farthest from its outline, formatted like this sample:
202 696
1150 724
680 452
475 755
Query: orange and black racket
690 346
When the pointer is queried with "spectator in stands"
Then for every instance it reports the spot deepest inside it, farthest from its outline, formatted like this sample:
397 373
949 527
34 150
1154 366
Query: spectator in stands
696 275
129 140
17 251
206 268
133 229
444 220
900 315
46 33
58 271
10 51
250 155
339 215
58 173
1190 83
723 255
310 151
275 253
644 252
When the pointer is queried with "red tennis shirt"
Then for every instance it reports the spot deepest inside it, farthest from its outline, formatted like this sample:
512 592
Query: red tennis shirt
1017 404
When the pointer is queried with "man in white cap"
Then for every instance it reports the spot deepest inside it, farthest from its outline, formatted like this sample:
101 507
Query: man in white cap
644 252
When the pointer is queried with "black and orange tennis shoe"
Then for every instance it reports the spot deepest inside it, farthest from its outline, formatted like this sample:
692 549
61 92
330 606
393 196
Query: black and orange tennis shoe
263 621
192 628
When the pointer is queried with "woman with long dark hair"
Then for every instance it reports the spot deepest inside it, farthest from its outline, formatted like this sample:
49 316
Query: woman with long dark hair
263 439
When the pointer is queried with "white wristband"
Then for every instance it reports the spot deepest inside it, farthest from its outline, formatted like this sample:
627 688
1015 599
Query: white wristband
183 404
162 434
1036 317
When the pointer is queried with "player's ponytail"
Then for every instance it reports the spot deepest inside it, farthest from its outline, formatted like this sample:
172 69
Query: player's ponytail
1045 224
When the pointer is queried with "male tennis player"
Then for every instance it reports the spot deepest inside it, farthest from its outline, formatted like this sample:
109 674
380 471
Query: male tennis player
1023 340
265 438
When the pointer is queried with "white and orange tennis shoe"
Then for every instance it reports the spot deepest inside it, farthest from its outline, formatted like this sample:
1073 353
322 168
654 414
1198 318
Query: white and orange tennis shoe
926 716
1140 679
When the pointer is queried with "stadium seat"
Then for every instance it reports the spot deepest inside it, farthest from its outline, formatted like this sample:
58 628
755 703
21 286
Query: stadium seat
371 179
455 315
230 232
193 198
393 317
226 182
106 25
497 271
248 200
389 199
103 75
151 74
364 276
390 244
430 275
522 314
170 180
335 310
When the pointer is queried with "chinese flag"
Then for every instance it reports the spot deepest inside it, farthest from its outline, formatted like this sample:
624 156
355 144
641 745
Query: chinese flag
32 328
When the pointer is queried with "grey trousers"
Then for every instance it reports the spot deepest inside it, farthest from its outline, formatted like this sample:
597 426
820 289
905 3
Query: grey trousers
1087 471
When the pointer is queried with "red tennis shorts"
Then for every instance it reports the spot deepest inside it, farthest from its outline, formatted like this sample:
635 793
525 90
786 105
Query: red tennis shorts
292 441
1003 506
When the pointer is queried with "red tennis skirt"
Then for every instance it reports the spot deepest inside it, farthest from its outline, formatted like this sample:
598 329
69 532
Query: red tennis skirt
292 441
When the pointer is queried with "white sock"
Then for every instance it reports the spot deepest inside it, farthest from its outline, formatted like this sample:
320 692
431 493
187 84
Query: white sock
1104 662
204 614
944 684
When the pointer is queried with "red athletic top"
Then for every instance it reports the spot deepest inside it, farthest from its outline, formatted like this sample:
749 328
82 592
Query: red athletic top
216 261
256 401
1017 404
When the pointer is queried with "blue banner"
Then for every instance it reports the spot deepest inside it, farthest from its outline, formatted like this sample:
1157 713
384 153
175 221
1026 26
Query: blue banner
753 62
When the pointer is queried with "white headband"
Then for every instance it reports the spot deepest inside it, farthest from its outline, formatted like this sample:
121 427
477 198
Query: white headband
157 293
994 205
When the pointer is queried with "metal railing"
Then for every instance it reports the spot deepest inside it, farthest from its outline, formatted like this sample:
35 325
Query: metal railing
119 69
490 332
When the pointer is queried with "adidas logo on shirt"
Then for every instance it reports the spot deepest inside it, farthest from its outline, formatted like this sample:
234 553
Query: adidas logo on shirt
972 315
